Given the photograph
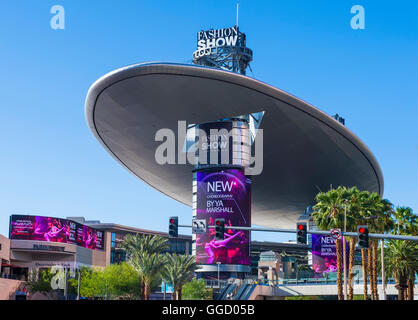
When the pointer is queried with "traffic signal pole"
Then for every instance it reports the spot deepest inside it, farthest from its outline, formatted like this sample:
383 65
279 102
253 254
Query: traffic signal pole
348 234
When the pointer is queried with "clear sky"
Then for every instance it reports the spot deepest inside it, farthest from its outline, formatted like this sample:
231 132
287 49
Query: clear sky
52 165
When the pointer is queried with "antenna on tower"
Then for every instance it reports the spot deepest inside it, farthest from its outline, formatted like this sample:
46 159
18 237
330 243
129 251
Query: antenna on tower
237 11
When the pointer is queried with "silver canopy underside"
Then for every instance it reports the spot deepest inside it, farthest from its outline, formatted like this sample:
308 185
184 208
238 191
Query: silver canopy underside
305 150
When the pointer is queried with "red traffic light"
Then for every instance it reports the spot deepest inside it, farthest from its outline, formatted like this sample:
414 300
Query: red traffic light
300 226
361 230
171 220
218 222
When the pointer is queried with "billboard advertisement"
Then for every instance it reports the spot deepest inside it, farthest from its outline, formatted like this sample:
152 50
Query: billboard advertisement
51 229
224 194
324 253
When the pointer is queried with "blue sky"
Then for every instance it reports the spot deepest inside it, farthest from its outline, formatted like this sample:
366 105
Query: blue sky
52 165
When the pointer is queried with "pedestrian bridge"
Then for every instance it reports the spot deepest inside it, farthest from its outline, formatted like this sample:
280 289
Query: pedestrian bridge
267 292
254 290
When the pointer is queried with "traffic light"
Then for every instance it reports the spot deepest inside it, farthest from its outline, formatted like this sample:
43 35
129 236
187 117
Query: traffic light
301 233
363 237
219 229
173 228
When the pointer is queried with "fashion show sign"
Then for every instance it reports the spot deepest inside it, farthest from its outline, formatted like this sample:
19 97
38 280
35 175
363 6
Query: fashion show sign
206 40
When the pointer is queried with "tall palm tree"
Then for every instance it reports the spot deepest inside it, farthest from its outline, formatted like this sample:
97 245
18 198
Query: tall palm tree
178 270
363 207
329 213
375 208
145 255
401 261
406 221
406 224
148 265
383 223
352 201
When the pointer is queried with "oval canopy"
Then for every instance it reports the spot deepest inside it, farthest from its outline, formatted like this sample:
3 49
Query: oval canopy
305 150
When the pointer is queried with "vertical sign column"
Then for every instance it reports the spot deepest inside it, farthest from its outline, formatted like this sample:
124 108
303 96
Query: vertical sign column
221 190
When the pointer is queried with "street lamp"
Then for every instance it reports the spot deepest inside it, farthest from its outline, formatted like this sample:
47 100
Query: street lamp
79 283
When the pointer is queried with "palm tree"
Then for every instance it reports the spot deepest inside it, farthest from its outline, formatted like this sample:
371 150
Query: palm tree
145 255
329 213
383 223
406 224
363 209
377 214
401 261
411 284
178 270
149 266
133 243
406 221
352 202
374 209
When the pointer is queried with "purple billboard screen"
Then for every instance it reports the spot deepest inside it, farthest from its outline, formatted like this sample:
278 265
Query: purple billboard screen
55 230
224 194
324 253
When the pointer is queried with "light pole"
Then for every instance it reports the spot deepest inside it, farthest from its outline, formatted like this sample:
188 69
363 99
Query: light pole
65 283
344 251
79 284
218 263
165 286
383 268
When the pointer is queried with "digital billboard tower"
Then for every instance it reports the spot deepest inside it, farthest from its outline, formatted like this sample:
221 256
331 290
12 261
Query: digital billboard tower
222 191
220 188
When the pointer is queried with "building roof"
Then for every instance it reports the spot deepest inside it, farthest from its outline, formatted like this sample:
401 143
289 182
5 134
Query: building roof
305 150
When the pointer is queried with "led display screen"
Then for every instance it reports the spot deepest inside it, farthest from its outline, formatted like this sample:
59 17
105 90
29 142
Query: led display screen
23 227
223 194
324 253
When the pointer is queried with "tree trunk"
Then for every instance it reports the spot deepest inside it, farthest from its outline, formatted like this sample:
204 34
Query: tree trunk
374 268
369 267
147 291
403 284
339 270
398 287
364 264
350 268
411 287
179 294
400 294
142 288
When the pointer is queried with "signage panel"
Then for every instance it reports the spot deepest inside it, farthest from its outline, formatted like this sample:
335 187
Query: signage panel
51 229
324 253
223 194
